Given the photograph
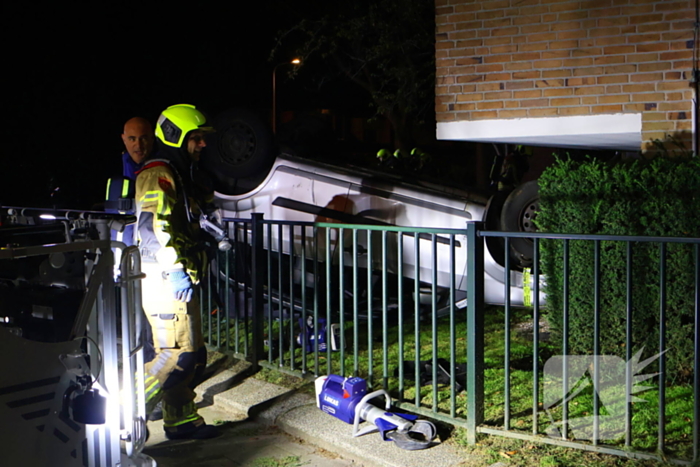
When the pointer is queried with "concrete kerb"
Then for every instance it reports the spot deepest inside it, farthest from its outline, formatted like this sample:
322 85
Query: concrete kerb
223 375
297 414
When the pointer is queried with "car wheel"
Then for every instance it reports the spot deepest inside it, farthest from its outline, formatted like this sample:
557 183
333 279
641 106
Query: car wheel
242 148
518 215
496 245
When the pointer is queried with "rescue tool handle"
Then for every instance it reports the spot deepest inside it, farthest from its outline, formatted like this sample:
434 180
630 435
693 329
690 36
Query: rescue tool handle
362 403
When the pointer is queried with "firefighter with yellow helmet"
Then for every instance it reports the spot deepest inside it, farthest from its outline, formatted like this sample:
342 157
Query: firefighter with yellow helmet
167 214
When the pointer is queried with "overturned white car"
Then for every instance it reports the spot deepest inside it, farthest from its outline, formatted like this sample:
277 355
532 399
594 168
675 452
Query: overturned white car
250 177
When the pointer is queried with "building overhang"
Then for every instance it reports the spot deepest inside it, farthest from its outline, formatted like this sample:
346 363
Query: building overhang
618 131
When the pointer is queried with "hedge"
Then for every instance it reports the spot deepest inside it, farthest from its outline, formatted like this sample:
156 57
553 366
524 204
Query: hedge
660 197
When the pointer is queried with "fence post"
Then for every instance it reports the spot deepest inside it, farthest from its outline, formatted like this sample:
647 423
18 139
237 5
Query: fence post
257 277
475 329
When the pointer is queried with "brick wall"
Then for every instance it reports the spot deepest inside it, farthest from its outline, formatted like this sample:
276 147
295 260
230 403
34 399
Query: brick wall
507 59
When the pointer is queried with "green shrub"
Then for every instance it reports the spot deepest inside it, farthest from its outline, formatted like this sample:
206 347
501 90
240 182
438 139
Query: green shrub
660 197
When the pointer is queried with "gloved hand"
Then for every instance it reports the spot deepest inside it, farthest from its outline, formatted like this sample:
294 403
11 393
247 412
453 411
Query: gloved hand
182 285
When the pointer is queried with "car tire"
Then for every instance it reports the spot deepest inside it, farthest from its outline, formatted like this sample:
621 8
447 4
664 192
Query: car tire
496 245
518 215
241 149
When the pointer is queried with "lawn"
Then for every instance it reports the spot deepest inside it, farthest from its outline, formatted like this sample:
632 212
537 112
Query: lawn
375 351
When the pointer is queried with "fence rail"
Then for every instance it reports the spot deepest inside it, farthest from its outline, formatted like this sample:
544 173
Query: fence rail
404 308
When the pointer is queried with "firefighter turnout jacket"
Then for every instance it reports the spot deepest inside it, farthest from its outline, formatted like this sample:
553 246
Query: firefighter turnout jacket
167 229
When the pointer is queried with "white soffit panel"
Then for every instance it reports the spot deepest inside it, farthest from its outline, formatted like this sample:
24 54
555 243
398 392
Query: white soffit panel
618 131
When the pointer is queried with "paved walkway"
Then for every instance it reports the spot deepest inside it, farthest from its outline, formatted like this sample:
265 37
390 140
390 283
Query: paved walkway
265 425
243 443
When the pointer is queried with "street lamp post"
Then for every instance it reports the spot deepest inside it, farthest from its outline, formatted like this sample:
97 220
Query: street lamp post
296 62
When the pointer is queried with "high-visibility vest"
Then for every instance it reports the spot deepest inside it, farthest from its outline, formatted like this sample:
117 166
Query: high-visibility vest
119 198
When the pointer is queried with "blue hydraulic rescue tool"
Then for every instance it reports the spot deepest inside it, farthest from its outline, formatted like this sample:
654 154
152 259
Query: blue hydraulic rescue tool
310 338
347 400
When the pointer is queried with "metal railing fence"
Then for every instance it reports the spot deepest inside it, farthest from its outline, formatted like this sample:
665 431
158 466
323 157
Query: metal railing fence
686 437
318 298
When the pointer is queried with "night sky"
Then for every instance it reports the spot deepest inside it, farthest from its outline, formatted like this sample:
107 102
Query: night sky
73 76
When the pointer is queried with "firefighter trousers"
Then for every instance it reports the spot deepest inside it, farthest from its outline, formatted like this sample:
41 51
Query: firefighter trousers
180 353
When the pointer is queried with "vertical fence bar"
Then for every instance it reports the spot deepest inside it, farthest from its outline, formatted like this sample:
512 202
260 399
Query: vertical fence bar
399 248
536 333
453 332
202 316
209 310
696 365
317 366
214 269
227 297
270 331
329 259
596 340
246 312
565 345
416 317
341 302
433 316
304 363
370 317
475 329
291 299
355 305
662 347
385 323
628 347
506 331
217 285
237 254
257 298
280 299
206 308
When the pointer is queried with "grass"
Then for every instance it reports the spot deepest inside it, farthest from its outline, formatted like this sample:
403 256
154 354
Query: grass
288 461
376 355
281 379
512 452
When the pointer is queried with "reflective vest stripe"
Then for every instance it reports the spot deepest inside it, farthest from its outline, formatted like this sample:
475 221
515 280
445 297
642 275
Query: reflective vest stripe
125 188
163 209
